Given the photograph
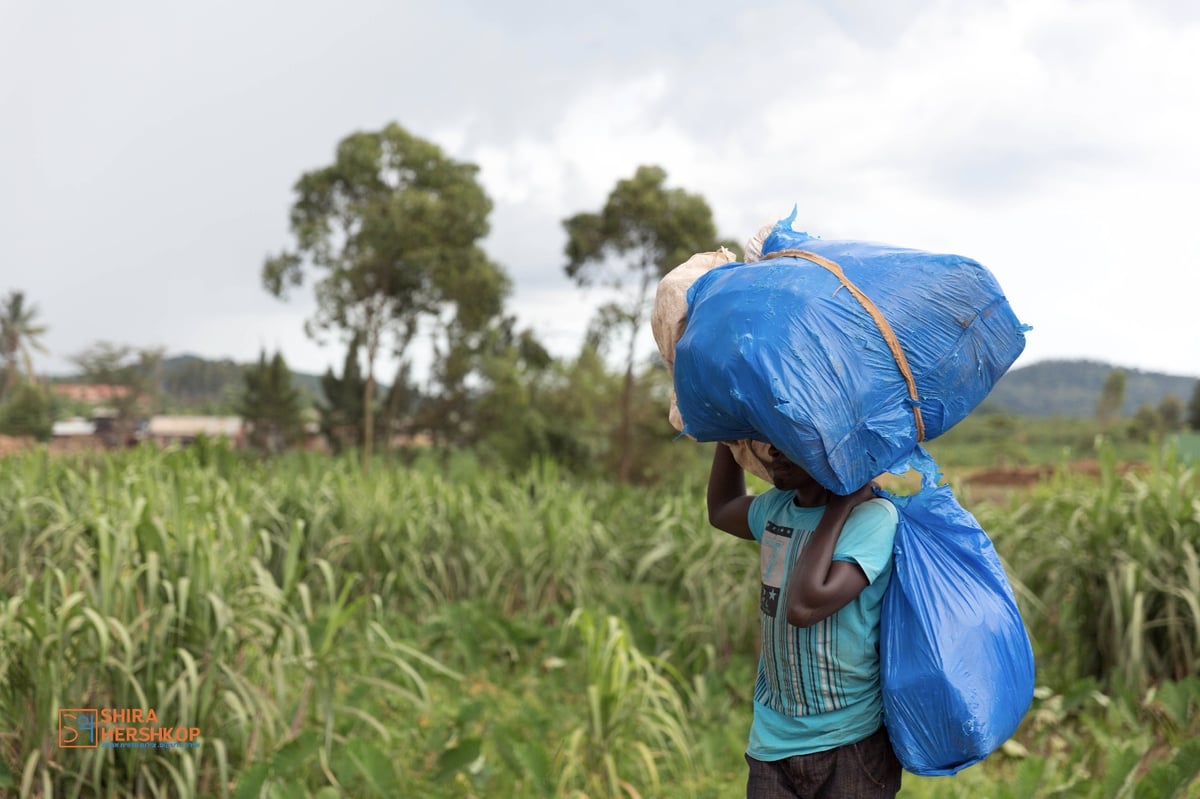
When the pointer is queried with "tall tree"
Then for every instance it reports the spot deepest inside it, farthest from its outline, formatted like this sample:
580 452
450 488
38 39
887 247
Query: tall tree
341 413
20 335
643 231
392 227
1112 397
271 405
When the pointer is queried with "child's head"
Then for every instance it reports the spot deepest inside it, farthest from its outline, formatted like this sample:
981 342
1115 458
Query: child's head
787 476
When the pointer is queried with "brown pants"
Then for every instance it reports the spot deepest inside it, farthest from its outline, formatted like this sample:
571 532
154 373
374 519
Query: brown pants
867 769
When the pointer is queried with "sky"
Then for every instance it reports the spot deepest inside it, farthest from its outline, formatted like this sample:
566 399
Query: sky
148 150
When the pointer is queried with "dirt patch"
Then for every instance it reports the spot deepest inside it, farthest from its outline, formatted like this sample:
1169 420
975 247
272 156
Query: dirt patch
1020 476
1000 483
1016 476
10 445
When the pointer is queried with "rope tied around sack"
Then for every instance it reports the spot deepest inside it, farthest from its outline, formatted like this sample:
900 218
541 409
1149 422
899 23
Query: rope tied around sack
889 335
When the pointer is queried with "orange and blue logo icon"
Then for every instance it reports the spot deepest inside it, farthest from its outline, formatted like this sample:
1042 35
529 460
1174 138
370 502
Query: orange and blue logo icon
77 728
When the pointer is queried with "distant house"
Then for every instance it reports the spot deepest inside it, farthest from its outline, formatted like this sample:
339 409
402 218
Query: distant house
164 430
75 426
74 433
91 394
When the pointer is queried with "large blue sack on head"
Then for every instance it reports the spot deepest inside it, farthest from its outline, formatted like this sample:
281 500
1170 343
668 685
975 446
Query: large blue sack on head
786 350
956 665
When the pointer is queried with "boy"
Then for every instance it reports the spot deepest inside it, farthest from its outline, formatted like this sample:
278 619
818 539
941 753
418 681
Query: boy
826 561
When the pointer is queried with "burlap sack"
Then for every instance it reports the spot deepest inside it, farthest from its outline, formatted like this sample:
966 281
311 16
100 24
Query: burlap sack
668 320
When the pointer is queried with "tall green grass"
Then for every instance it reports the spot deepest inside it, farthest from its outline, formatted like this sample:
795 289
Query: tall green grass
167 582
1109 570
440 630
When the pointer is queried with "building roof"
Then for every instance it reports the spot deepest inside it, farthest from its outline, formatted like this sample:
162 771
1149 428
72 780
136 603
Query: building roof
84 392
185 426
74 427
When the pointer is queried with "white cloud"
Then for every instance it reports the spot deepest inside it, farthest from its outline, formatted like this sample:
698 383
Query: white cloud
1053 140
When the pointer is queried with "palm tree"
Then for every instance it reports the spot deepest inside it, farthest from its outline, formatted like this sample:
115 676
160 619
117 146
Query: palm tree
19 334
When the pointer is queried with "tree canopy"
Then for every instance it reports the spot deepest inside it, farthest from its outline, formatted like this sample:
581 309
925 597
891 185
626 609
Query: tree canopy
1193 408
392 229
271 405
138 372
643 231
20 335
1112 397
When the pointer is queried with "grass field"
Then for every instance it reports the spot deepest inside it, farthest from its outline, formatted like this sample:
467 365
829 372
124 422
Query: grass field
437 630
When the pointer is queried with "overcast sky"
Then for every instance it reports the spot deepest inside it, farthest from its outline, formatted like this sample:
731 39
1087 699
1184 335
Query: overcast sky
148 149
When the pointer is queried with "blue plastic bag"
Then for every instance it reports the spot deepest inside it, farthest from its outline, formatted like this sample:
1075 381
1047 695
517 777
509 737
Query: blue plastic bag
785 351
956 665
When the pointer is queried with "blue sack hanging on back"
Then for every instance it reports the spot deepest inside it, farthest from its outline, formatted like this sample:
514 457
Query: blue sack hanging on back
845 356
956 665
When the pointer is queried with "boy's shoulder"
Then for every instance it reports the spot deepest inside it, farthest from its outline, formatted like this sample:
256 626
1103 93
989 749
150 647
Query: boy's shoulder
879 508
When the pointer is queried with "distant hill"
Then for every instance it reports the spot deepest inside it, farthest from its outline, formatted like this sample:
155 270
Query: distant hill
190 379
1047 388
1072 387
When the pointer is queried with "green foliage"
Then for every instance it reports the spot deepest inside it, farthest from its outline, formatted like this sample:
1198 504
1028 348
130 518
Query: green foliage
271 405
20 335
139 372
342 415
154 580
635 718
1112 397
28 411
644 231
392 227
1193 409
198 385
1114 562
445 630
575 415
506 413
1187 445
1147 424
1170 411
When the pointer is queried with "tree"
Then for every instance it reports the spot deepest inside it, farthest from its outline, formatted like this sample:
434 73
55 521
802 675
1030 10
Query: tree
341 414
573 407
19 335
643 231
501 413
1146 424
203 386
1170 412
392 226
28 412
1193 409
401 404
133 372
271 406
1112 397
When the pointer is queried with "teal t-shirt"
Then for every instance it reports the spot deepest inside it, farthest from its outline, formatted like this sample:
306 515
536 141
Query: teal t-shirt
818 687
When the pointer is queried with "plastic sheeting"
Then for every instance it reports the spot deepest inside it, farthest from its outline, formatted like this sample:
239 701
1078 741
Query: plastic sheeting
956 665
782 351
668 320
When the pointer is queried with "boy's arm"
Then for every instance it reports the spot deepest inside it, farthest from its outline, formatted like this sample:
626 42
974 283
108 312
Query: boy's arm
728 502
819 586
